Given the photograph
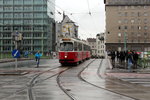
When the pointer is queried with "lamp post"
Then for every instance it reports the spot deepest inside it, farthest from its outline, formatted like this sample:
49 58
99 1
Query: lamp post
125 42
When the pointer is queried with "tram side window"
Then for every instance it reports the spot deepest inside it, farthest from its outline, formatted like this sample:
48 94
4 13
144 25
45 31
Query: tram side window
75 46
66 46
80 46
84 46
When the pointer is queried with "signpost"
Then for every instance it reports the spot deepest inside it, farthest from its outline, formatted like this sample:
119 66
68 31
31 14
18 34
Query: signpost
16 54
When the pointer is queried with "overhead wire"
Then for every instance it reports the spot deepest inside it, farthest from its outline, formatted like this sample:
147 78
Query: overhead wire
71 14
88 7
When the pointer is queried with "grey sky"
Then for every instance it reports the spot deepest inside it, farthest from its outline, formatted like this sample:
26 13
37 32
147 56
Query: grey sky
78 11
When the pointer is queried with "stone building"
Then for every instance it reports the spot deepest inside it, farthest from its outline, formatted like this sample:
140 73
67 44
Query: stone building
127 25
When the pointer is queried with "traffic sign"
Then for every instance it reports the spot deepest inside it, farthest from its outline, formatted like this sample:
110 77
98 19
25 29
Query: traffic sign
16 53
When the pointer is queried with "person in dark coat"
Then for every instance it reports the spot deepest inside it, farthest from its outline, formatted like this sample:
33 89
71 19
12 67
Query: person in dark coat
113 56
135 58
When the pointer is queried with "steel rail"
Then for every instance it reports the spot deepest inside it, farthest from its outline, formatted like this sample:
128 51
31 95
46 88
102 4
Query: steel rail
80 77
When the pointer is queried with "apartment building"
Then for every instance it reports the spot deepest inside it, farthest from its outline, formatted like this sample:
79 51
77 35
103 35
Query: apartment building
127 25
33 18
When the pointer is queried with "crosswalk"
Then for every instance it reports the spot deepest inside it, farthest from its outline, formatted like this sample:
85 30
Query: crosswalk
140 81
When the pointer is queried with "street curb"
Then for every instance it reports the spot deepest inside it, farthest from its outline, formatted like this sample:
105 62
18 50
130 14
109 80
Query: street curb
13 73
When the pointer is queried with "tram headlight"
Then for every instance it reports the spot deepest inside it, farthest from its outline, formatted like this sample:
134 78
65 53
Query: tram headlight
65 56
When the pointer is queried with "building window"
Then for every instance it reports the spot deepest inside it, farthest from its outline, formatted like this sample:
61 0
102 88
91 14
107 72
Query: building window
119 27
139 21
8 1
119 21
139 27
125 27
18 8
139 14
145 21
119 7
8 8
28 15
132 21
145 34
126 14
132 33
38 8
132 7
145 27
132 13
119 14
28 8
28 2
16 2
126 7
18 15
145 7
18 22
132 27
145 14
125 21
138 34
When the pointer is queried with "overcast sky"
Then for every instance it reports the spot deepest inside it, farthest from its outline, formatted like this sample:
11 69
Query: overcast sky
78 11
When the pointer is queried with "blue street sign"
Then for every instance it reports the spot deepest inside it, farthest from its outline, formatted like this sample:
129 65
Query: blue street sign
16 53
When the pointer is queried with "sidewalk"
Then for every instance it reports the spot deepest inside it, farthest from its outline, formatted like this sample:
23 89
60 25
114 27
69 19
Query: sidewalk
120 71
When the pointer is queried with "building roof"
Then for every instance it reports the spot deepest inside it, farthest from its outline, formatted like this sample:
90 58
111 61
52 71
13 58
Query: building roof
91 39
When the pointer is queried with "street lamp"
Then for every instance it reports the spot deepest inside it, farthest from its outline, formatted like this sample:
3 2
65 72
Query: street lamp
125 42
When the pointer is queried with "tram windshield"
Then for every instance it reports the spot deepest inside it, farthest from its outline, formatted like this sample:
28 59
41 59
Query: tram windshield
66 46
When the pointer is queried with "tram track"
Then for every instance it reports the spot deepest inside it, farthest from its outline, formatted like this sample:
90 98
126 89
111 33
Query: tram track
70 95
99 87
34 82
27 86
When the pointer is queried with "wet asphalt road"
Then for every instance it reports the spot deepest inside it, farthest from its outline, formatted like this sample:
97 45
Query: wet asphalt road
52 82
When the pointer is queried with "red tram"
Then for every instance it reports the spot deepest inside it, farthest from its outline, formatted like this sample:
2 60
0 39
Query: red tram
73 51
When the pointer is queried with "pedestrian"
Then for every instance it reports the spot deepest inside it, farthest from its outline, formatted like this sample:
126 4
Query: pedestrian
130 61
135 57
37 58
118 55
113 55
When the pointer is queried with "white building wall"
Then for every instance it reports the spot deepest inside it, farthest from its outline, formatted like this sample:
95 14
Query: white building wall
100 42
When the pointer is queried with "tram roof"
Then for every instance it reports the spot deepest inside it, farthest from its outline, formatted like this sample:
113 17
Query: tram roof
73 39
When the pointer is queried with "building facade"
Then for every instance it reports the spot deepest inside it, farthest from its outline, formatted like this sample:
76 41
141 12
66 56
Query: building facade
100 45
127 25
33 18
92 43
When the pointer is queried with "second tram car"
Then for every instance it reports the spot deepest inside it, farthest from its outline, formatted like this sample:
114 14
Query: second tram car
73 51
